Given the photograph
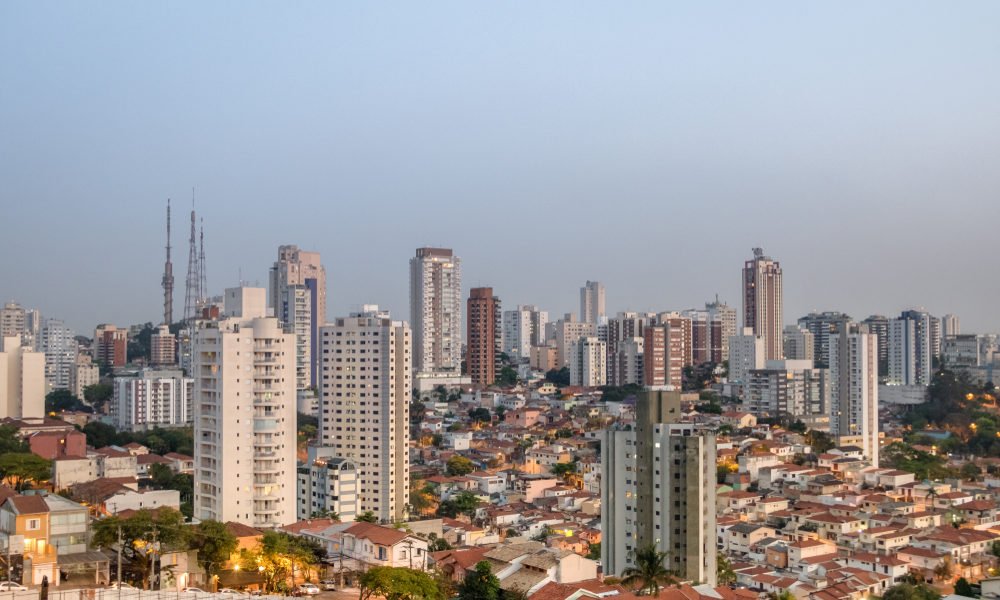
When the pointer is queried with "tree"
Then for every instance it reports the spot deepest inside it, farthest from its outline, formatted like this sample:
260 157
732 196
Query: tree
100 434
507 377
462 503
782 595
594 551
970 471
281 555
480 584
909 591
367 517
11 441
649 573
724 573
964 588
60 400
22 470
163 478
459 465
214 543
559 377
564 470
944 569
820 441
98 394
398 583
137 534
480 414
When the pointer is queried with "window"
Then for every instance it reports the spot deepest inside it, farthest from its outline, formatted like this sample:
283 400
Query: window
33 524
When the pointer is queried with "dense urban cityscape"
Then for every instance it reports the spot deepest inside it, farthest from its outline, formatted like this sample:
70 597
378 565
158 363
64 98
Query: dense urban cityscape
254 442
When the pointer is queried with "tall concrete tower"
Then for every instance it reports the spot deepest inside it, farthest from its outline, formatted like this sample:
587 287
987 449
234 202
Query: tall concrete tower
168 279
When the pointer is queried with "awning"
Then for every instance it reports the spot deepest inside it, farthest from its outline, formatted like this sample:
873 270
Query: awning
80 558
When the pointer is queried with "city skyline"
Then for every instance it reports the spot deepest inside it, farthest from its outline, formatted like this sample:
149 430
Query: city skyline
694 116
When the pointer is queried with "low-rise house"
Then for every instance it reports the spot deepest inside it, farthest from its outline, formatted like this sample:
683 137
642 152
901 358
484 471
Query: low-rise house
180 463
378 546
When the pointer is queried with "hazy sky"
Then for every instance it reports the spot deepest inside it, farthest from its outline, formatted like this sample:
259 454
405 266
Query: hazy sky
646 145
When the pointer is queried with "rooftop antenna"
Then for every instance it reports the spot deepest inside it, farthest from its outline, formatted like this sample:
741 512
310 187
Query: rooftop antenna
168 279
203 278
191 292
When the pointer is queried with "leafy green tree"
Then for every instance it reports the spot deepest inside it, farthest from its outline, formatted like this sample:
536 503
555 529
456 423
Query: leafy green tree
724 573
11 440
564 470
137 538
710 408
507 377
964 588
909 591
367 517
60 400
480 584
594 551
281 555
649 573
462 503
398 583
98 394
100 434
214 543
459 465
970 471
820 441
559 377
22 470
480 414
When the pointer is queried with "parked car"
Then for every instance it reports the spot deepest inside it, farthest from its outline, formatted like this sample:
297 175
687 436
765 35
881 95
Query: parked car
308 589
116 584
193 590
232 592
10 586
328 585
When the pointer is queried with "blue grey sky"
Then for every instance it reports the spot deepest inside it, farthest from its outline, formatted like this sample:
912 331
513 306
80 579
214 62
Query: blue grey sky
646 145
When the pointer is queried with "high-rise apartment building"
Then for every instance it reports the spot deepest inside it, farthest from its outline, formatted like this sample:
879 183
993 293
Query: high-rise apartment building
298 296
680 327
364 417
523 328
910 349
663 355
22 380
879 326
436 310
821 325
762 301
631 356
854 389
588 362
726 315
787 388
961 351
658 489
566 331
623 327
935 337
483 336
151 399
12 320
799 343
110 346
746 353
243 366
85 373
592 308
949 327
328 484
59 344
163 347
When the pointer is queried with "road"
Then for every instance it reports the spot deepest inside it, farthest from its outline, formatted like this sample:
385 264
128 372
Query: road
339 595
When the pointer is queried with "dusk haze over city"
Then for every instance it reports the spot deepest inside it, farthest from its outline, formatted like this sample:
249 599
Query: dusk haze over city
499 301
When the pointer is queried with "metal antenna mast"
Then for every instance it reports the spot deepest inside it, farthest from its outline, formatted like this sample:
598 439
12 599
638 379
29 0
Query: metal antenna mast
168 279
191 295
202 277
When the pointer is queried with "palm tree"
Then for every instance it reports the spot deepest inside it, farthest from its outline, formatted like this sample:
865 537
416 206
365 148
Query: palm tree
649 573
724 573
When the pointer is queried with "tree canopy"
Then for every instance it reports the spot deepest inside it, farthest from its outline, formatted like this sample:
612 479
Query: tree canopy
138 531
459 465
214 543
398 583
909 591
480 584
23 470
